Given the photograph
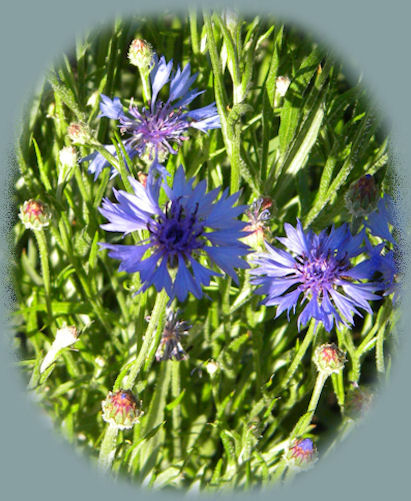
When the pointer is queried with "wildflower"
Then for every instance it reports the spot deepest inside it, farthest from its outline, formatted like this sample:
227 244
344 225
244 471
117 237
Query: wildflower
121 409
66 336
319 268
141 54
302 454
34 214
328 358
170 345
157 130
178 236
257 215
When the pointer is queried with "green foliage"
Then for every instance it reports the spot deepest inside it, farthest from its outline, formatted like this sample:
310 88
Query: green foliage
223 418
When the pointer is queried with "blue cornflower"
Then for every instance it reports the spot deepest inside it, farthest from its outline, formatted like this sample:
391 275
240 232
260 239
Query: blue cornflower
319 267
179 235
156 130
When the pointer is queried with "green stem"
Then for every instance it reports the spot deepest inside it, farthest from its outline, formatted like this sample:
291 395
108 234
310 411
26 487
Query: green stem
108 447
175 391
145 80
300 353
195 45
45 270
305 420
151 339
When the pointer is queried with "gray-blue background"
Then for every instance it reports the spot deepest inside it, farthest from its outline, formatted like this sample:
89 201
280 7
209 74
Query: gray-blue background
376 39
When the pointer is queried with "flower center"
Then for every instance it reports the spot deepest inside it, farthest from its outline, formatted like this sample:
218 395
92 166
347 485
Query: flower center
319 271
177 232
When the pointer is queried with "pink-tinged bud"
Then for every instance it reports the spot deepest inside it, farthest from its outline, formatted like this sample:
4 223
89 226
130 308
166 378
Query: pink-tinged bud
357 402
302 454
329 358
141 54
34 214
79 133
362 196
121 409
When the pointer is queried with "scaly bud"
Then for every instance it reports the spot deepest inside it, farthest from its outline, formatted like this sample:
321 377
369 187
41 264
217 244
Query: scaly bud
358 402
302 454
362 197
34 214
329 358
141 54
121 409
79 133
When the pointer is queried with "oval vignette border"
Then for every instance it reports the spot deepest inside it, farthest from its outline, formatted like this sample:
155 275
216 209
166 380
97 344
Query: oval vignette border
35 461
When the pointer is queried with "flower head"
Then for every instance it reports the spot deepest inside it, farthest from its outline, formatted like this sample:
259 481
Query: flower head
179 235
318 267
121 409
159 129
170 344
34 214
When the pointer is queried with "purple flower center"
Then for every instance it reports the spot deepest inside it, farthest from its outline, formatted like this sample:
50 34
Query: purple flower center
320 271
177 232
154 129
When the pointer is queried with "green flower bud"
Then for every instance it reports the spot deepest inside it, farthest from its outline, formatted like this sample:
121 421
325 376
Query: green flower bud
121 409
329 358
141 54
362 197
79 133
34 214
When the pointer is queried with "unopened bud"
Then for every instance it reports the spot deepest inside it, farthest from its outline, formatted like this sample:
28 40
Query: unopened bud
68 156
121 409
212 367
302 454
258 215
34 214
141 54
329 358
362 197
79 133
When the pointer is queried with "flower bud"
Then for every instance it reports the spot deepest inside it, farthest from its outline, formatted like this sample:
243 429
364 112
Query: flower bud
141 54
34 214
281 85
329 358
257 215
121 409
362 196
302 454
212 367
79 133
357 402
